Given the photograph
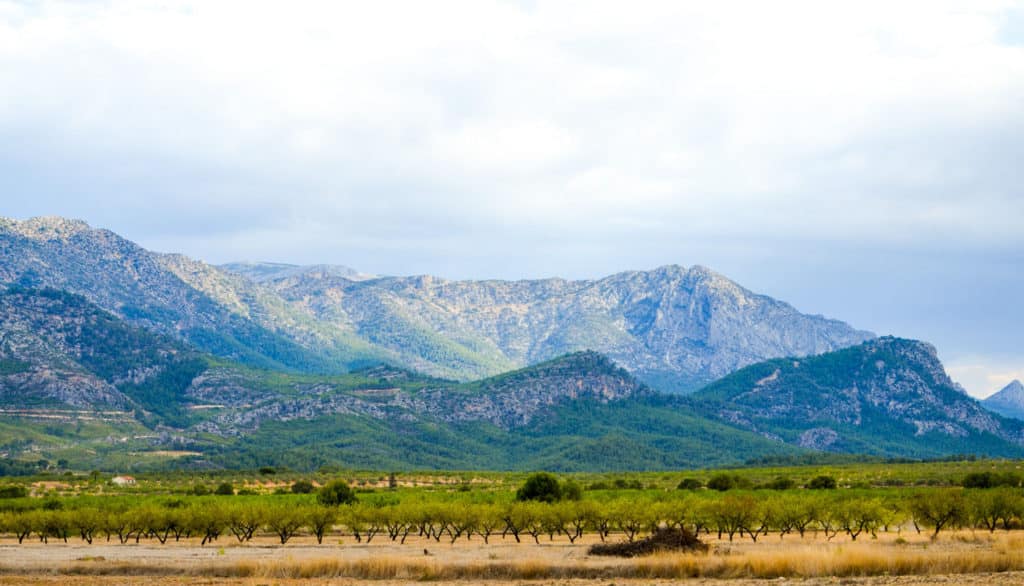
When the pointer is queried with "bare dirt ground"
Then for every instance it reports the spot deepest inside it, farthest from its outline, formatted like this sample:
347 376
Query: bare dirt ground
186 562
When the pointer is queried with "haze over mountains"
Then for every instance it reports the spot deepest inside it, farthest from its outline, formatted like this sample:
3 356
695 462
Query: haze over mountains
109 352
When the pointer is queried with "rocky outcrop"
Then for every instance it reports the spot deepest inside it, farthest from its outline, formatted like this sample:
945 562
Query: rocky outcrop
514 399
507 401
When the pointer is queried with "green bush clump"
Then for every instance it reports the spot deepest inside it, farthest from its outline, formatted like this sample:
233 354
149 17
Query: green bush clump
335 493
723 482
571 491
822 482
990 480
541 486
781 483
13 492
690 484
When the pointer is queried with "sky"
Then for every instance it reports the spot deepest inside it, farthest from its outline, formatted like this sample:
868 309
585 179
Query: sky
861 160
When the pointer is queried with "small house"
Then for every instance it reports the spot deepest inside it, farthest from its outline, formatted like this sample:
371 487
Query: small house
123 480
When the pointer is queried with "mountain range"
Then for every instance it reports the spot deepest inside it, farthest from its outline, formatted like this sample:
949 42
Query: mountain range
114 356
675 328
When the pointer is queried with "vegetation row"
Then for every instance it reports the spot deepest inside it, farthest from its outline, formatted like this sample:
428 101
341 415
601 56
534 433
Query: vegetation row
336 511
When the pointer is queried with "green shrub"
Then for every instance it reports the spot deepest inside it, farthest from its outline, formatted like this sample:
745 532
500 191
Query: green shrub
13 492
541 486
225 489
336 492
822 482
303 487
722 482
781 483
571 491
690 484
990 480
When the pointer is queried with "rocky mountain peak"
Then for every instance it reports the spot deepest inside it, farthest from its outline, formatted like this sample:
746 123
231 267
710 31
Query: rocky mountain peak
900 351
48 227
1008 402
582 363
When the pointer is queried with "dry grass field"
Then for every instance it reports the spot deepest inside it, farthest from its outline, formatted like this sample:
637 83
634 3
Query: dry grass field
967 557
1009 579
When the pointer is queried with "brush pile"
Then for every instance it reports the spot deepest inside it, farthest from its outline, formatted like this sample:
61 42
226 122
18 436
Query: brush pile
662 540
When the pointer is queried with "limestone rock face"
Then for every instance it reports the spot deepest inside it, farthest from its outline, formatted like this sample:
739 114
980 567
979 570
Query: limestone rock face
508 401
675 328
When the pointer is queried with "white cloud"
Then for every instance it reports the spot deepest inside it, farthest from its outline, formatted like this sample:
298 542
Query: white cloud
516 139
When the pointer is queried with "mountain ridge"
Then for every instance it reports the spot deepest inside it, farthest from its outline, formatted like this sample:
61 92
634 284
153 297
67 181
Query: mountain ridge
860 399
671 322
261 272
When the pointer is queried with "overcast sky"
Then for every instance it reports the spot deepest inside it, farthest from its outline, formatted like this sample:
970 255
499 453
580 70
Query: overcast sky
861 160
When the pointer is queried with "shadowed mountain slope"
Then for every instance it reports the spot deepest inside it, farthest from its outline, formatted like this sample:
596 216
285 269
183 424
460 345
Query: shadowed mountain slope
888 396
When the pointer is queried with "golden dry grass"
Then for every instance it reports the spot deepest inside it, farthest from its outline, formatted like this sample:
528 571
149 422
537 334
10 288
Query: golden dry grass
963 553
966 554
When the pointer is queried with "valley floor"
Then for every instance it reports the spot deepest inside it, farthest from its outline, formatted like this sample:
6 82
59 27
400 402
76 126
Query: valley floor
911 559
